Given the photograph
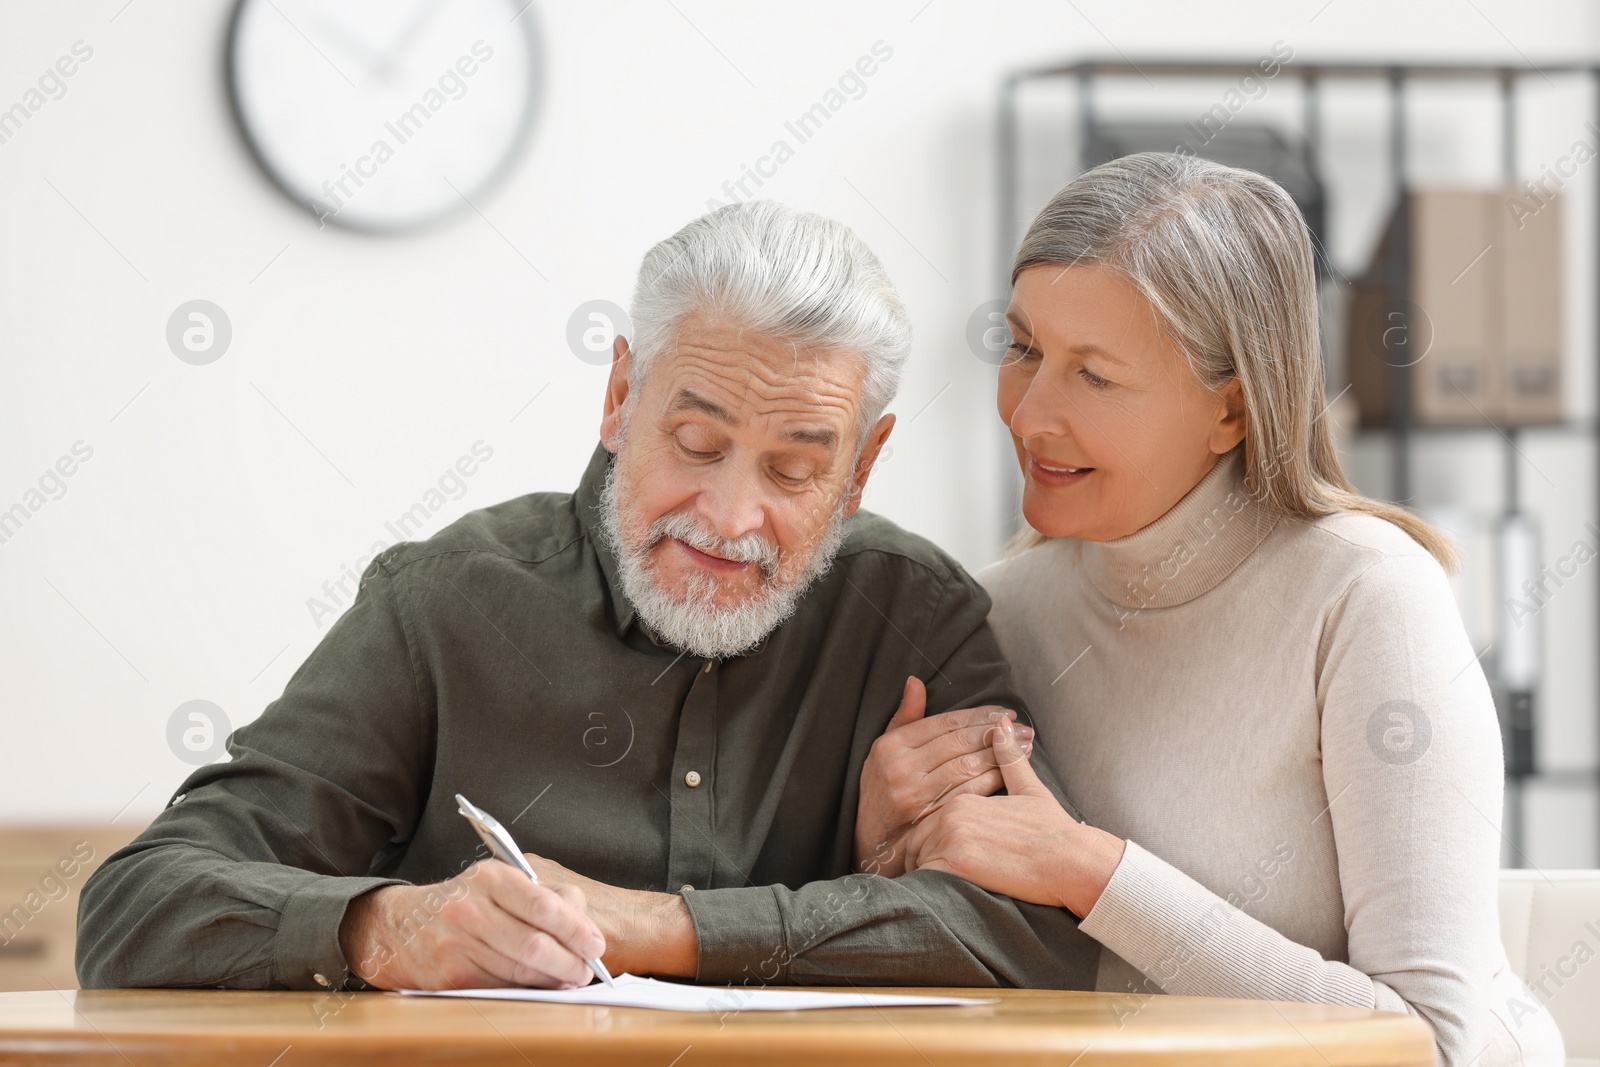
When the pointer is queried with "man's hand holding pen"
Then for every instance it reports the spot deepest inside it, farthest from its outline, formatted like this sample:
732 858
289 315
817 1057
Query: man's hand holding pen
491 926
487 926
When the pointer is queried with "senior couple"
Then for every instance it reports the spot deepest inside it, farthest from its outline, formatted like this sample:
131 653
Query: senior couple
753 734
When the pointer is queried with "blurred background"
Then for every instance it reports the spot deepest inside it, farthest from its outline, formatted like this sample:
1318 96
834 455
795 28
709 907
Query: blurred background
284 282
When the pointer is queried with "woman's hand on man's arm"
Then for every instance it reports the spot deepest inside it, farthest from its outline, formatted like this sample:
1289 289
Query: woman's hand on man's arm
1024 844
918 764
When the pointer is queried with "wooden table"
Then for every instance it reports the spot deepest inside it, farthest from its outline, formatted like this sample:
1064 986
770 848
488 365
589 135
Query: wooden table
141 1028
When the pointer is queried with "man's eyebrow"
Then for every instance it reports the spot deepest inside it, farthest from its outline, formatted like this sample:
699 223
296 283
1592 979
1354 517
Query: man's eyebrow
689 400
825 437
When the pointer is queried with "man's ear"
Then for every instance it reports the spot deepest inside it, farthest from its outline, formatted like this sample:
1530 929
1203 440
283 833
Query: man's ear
869 456
616 395
1230 426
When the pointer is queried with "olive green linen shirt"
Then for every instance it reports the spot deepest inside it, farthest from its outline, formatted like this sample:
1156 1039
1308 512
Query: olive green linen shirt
499 659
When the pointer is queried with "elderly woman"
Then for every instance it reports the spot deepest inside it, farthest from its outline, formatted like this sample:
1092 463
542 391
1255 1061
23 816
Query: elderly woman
1254 681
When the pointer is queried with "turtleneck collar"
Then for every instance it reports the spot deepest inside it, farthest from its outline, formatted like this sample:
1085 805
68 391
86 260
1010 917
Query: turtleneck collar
1189 550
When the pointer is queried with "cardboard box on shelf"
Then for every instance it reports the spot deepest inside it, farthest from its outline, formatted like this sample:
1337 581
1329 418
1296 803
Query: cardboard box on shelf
1477 326
1531 313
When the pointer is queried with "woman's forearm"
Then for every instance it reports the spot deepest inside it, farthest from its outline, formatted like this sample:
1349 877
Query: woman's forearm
1189 941
1093 858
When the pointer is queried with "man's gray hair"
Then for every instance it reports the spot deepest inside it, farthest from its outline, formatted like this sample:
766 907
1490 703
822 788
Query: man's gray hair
774 269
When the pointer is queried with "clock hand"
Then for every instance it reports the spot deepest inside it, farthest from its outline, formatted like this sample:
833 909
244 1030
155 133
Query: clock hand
332 32
401 44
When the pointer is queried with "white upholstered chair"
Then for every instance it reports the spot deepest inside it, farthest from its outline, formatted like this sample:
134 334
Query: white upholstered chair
1550 923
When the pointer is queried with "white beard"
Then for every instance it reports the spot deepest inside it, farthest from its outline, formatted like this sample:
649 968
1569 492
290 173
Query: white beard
694 621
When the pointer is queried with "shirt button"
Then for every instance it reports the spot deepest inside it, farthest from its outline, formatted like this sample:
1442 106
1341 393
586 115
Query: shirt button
709 664
691 779
179 798
686 889
321 980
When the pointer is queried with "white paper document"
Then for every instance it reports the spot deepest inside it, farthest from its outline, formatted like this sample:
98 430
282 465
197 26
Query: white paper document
634 992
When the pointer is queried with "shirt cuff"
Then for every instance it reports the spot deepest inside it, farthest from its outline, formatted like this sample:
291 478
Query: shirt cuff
742 939
306 952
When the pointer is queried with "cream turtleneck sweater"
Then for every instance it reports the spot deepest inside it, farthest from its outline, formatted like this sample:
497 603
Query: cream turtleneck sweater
1285 721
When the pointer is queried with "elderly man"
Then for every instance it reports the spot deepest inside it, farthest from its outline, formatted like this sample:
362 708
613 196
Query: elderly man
665 685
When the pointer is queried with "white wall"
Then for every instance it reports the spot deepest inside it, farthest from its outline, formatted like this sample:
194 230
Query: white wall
179 563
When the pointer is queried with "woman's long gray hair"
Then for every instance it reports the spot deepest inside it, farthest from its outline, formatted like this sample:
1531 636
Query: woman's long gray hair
1224 257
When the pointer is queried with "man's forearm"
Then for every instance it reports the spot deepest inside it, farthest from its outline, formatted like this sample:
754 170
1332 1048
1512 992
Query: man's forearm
924 928
177 915
645 932
660 940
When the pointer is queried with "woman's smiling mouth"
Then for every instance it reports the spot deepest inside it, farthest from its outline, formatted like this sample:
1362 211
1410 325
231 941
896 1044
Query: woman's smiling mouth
1053 475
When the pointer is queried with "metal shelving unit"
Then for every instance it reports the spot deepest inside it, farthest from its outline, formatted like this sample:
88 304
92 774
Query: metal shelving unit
1401 429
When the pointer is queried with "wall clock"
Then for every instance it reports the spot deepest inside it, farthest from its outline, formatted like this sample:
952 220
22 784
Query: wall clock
384 115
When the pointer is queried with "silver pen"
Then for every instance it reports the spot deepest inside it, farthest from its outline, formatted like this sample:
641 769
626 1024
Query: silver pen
502 847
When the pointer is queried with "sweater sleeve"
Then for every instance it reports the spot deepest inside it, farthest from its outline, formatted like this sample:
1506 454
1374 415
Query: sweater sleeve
1412 768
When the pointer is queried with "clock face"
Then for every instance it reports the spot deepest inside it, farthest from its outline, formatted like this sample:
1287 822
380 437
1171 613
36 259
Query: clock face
384 114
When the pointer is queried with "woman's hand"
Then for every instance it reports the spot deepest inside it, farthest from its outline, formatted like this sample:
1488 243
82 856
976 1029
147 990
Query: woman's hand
1024 845
918 764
